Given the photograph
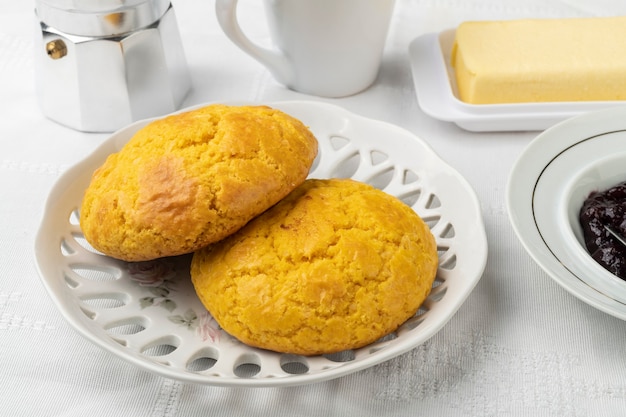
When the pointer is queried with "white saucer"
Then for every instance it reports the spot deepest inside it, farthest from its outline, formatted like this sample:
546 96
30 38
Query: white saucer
151 317
546 190
435 86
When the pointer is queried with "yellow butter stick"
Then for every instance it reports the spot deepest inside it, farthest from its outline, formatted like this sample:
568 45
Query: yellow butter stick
541 60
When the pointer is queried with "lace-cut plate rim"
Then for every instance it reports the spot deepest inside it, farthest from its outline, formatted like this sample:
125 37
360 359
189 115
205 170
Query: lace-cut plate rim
148 313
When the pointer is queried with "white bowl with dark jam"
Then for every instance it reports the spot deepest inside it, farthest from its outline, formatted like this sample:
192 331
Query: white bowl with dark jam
592 266
547 187
602 218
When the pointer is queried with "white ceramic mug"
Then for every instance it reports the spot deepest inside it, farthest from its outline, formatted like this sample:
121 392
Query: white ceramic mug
329 48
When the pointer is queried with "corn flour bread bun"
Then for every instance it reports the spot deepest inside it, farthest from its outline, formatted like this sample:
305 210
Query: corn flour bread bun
335 265
191 179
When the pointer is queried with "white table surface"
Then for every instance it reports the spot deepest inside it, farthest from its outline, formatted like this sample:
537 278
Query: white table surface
519 346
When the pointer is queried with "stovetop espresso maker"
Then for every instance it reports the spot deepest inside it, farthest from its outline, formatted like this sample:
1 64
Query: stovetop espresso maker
101 65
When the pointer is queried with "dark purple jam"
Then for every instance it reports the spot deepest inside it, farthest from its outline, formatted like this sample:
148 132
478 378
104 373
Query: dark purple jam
606 208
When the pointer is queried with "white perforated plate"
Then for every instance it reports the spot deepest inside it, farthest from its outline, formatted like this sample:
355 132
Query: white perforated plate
148 314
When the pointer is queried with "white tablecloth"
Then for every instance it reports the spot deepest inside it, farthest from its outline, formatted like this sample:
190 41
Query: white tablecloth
519 346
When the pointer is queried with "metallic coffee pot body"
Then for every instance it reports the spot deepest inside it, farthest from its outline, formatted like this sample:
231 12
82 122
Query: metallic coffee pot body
101 65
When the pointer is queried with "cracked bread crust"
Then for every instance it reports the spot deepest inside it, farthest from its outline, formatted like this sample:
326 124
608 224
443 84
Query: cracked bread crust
336 265
187 180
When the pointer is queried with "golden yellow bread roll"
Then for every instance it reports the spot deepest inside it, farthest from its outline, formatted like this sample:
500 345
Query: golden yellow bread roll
540 60
336 265
191 179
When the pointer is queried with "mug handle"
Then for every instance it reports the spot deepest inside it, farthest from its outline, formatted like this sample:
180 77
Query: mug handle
276 62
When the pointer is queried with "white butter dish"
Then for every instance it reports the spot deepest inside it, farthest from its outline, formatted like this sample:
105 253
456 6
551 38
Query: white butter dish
435 85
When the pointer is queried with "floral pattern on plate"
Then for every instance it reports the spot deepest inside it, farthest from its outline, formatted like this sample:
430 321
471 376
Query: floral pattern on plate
160 278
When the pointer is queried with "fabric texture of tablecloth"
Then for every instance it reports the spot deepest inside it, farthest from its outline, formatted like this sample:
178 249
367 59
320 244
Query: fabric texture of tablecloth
519 346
